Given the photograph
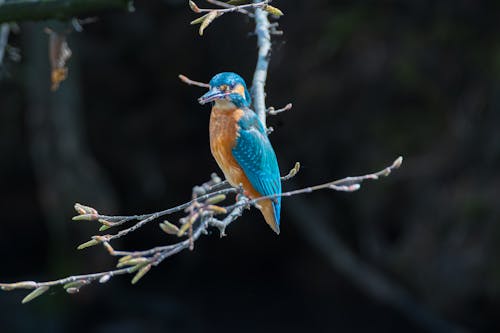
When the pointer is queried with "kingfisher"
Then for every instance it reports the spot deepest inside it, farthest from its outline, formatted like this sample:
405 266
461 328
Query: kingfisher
239 144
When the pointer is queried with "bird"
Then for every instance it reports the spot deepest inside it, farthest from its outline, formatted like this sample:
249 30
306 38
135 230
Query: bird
240 145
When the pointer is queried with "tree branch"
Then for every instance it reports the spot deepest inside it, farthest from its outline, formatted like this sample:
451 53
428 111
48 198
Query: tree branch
262 30
348 184
273 112
227 5
201 212
26 10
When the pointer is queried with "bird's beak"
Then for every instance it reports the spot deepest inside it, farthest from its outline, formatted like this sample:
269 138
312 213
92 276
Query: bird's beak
212 95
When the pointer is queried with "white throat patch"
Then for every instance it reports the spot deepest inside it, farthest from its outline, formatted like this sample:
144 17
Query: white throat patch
224 104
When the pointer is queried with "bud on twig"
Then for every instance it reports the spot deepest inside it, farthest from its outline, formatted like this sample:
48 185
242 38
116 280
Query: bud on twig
273 10
293 172
397 163
188 224
81 209
199 20
132 262
19 285
169 228
106 222
90 243
126 258
85 217
217 209
216 199
34 294
194 7
104 227
141 273
105 278
208 19
75 284
72 290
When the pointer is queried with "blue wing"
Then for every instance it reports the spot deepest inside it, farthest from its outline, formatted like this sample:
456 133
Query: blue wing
256 156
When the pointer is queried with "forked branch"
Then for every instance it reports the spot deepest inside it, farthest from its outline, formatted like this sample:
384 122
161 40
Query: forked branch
201 213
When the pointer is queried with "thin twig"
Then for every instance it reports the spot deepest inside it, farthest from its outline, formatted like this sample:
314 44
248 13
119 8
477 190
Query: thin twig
230 218
272 111
229 8
160 253
139 262
119 220
347 184
226 5
147 218
203 193
190 82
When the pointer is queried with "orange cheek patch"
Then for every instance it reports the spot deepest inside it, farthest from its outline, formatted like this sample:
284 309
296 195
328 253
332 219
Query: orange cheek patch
240 90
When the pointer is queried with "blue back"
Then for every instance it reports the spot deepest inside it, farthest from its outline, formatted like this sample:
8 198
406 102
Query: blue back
256 156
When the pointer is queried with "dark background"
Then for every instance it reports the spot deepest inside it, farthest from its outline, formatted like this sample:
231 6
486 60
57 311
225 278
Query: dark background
369 81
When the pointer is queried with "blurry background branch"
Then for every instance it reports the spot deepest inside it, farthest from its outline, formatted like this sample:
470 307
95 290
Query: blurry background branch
4 36
26 10
64 167
364 276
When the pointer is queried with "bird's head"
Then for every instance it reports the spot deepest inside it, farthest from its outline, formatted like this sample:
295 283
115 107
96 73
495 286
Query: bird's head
227 90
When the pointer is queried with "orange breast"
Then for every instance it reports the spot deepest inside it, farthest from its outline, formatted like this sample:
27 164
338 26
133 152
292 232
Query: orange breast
223 134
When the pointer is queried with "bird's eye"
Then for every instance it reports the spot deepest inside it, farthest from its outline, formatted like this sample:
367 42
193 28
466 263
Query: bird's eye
224 87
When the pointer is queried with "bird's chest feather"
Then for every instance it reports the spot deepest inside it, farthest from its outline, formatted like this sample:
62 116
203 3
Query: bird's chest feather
223 135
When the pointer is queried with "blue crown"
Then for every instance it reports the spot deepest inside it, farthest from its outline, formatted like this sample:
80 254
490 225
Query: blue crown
231 79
